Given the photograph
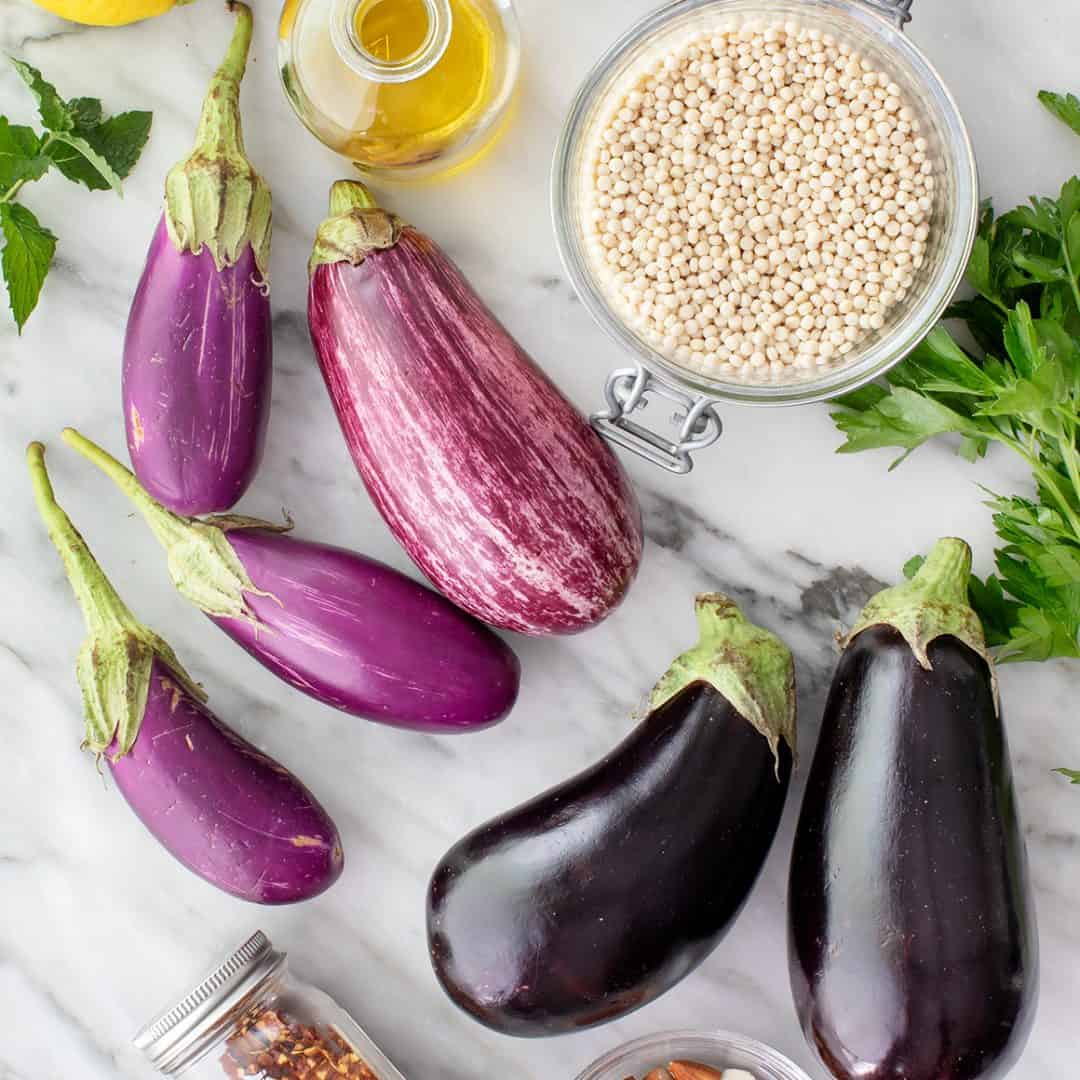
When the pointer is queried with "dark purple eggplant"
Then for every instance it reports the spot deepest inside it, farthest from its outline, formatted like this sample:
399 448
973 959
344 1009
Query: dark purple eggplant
911 927
344 629
601 894
225 810
197 353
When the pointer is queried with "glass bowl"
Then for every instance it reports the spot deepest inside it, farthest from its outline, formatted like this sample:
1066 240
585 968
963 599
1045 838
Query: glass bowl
720 1049
953 224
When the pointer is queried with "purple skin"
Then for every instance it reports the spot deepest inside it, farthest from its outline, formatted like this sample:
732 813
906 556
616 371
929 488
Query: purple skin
361 637
197 377
229 813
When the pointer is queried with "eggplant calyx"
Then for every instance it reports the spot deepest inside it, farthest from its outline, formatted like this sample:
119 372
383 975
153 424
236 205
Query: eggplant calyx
356 227
934 603
215 197
750 666
118 654
202 563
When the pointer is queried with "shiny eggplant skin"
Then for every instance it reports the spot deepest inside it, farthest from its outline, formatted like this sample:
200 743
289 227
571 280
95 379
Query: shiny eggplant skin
598 896
912 946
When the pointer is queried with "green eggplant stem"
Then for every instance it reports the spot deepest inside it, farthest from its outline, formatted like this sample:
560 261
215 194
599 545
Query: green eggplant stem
933 604
203 565
748 665
355 227
346 195
99 601
214 198
219 123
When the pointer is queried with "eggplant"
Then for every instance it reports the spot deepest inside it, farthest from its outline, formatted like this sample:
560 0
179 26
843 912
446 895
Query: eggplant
342 628
229 813
911 927
489 478
599 895
198 349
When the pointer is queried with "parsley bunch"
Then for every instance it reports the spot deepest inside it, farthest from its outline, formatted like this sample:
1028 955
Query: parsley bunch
83 144
1018 385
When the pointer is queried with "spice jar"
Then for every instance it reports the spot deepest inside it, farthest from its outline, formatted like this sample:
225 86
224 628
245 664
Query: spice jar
404 88
251 1018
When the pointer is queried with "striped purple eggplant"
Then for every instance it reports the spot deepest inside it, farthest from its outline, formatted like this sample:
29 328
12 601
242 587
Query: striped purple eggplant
344 629
225 810
197 354
490 479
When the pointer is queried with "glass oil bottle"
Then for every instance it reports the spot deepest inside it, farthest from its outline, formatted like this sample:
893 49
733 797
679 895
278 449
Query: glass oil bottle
403 88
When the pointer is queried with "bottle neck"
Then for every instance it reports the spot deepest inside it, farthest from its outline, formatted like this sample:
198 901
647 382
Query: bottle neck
346 24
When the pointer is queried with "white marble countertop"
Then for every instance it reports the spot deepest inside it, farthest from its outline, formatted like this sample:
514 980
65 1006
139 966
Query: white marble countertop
100 926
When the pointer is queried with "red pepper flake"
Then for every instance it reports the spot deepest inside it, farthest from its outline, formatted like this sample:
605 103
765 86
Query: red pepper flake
272 1046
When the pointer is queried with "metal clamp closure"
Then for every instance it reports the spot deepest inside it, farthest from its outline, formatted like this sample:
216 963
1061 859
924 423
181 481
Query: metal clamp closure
629 389
898 9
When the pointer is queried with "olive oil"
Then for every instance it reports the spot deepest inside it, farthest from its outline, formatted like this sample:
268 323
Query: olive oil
401 87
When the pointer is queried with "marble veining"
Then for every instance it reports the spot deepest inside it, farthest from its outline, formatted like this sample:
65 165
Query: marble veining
100 926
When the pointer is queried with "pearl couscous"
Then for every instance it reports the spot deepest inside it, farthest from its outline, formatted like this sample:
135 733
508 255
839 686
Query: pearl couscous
758 201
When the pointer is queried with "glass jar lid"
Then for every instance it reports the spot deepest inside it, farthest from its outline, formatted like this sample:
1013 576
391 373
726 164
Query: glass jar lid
181 1034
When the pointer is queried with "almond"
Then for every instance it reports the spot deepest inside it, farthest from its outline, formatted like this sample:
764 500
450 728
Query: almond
693 1070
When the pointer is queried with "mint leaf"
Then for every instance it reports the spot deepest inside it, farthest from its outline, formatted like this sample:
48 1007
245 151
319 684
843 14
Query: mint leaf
1066 107
121 138
85 113
79 161
27 254
1070 774
55 114
19 155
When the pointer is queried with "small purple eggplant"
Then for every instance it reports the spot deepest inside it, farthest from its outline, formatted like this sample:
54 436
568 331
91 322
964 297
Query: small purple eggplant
198 353
346 630
225 810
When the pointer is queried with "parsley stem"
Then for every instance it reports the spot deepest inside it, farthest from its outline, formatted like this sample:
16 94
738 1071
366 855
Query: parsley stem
1069 266
17 186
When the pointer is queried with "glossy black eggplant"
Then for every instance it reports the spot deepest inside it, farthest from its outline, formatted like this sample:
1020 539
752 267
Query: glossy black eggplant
912 943
599 895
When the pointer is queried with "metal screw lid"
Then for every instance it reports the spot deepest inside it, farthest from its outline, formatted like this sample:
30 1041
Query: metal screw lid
180 1035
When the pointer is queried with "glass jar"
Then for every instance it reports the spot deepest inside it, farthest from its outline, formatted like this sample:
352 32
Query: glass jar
718 1049
875 29
403 88
252 1019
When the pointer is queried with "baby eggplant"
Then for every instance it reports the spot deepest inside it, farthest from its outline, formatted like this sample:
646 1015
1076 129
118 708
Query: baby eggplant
344 629
601 894
911 928
229 813
198 349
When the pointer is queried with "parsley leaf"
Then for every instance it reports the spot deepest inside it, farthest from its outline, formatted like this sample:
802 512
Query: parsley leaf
1071 774
1018 387
28 252
1066 107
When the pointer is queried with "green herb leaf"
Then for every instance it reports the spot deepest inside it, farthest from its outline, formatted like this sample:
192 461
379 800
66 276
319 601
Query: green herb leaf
121 138
1018 387
1066 107
79 161
86 114
20 158
27 255
118 142
55 113
1070 774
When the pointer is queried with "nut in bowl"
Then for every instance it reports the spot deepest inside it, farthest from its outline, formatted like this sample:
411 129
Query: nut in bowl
764 202
693 1055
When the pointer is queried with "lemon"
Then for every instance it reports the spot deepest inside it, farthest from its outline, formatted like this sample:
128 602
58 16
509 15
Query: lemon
108 12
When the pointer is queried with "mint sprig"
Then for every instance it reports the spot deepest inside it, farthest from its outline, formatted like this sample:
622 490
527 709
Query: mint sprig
1018 387
85 146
